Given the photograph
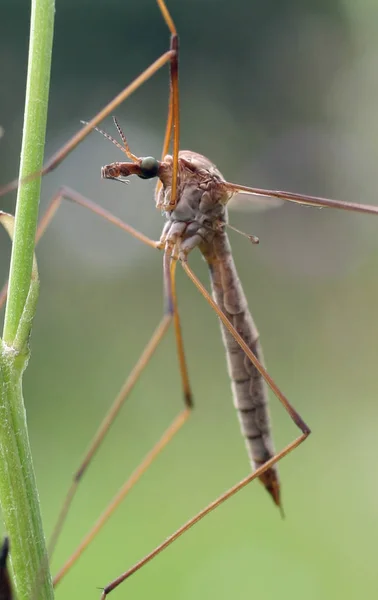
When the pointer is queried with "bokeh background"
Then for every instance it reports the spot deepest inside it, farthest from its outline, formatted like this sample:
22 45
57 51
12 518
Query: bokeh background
277 93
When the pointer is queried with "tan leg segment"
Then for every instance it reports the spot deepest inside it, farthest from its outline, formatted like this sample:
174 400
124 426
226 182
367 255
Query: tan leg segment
66 193
106 424
104 428
263 372
125 489
59 156
231 492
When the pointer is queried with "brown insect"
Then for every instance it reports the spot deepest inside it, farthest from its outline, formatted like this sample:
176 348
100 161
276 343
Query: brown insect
193 196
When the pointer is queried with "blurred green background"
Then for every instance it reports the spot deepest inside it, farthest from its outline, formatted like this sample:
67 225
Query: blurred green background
278 94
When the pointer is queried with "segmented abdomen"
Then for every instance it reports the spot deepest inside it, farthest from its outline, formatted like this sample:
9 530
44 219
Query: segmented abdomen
248 387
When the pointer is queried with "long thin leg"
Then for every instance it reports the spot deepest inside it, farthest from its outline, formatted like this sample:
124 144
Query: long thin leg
106 424
3 294
44 222
169 56
174 75
70 194
168 134
231 492
172 312
57 158
124 490
168 129
167 137
179 342
257 473
173 120
263 372
169 272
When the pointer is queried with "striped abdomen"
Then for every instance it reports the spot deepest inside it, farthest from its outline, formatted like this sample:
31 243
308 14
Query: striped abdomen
248 387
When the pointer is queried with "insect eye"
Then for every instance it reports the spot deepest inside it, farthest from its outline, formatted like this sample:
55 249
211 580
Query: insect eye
149 167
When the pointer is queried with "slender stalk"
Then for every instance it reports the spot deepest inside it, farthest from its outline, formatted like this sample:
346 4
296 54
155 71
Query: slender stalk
18 491
32 152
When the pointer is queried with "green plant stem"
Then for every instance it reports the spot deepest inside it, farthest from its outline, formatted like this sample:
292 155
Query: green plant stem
32 153
18 491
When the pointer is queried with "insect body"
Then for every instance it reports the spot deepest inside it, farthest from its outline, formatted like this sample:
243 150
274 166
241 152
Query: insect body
199 219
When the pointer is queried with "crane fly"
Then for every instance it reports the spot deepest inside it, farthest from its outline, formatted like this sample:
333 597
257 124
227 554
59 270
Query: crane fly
193 196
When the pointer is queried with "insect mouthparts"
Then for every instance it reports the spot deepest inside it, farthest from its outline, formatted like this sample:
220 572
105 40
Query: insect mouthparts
114 170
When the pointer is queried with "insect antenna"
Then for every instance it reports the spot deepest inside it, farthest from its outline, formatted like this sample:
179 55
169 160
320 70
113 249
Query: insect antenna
125 148
123 138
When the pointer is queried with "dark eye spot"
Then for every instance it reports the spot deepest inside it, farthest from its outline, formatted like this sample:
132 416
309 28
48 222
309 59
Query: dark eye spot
149 167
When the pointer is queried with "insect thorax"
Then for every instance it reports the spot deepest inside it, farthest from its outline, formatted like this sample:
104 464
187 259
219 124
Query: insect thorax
202 196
